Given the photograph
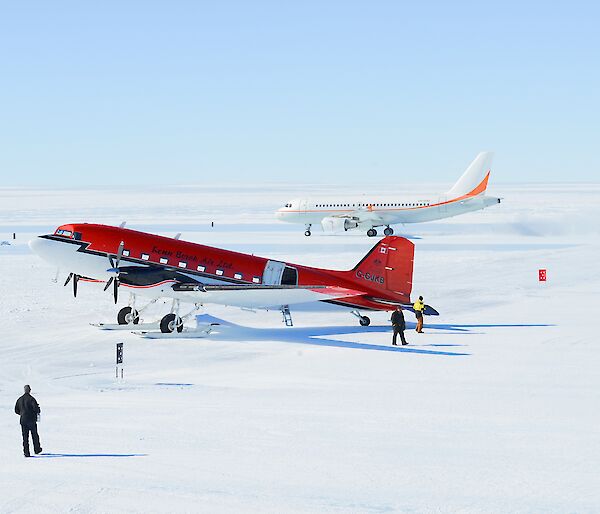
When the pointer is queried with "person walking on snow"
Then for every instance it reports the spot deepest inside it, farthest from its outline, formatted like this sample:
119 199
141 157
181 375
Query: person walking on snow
27 407
419 307
398 325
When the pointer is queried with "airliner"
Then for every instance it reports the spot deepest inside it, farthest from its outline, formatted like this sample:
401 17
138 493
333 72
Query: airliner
156 267
338 215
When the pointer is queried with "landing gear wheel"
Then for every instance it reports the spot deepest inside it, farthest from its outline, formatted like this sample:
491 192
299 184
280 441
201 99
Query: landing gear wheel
307 233
170 322
388 231
371 232
128 316
364 321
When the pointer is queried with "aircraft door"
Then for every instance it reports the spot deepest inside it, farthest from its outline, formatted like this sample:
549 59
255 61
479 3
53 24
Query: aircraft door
302 205
273 273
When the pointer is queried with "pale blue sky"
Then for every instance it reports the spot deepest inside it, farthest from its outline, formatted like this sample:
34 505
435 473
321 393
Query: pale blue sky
187 92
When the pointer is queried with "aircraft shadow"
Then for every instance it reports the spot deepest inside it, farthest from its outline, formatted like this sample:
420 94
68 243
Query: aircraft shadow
316 336
62 455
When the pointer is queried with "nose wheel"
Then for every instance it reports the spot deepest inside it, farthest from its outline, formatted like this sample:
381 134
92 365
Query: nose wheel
307 232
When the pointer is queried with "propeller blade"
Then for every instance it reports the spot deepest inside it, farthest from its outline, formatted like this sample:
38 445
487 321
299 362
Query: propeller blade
116 289
75 280
108 283
119 253
69 278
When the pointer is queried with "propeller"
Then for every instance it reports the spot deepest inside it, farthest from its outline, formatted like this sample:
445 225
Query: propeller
114 268
75 278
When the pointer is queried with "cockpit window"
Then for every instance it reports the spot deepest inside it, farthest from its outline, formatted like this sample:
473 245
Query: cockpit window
288 205
64 233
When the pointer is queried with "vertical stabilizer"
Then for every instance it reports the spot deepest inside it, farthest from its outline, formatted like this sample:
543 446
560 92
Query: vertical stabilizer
474 180
388 266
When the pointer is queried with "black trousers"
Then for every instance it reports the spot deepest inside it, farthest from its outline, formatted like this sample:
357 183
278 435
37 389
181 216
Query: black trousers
398 330
27 427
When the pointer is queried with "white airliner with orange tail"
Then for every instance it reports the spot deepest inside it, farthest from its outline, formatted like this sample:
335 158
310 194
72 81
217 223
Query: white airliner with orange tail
367 213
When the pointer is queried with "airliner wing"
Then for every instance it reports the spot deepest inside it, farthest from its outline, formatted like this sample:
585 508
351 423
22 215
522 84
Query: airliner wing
262 296
362 216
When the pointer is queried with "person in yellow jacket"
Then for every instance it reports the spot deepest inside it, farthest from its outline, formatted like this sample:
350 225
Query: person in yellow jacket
419 307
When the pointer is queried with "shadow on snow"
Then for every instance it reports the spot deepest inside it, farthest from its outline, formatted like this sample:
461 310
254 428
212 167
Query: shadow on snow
317 336
59 455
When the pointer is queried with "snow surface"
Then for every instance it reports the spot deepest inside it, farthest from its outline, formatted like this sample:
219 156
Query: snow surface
493 409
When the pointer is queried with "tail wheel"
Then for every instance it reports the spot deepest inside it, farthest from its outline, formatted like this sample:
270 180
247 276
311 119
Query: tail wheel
128 316
170 323
371 232
364 321
388 231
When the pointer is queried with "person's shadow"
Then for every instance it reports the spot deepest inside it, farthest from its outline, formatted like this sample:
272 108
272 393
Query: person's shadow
62 455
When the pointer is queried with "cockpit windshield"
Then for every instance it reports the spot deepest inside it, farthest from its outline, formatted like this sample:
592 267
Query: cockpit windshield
64 233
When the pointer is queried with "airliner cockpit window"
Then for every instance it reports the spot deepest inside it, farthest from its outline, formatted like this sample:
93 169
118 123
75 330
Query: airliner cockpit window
64 233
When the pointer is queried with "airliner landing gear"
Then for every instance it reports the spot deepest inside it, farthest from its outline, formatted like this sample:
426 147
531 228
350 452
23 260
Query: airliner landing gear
364 321
371 232
307 233
388 231
128 316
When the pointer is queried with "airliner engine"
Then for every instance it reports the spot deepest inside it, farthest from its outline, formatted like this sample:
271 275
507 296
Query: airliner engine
333 224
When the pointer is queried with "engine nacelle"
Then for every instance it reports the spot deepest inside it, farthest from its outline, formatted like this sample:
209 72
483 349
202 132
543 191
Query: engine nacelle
333 224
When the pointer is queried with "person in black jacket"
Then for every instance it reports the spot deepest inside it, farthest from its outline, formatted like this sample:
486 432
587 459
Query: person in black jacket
398 325
27 407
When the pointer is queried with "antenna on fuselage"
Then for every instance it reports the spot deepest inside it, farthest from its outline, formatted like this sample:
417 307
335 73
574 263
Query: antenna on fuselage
122 225
177 236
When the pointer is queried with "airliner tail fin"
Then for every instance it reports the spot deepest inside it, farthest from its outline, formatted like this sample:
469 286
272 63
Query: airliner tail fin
474 180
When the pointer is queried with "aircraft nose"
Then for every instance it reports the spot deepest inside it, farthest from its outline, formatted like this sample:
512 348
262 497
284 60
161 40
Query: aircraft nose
44 248
35 245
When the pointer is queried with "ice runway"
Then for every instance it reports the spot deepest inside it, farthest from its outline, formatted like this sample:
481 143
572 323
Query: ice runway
493 409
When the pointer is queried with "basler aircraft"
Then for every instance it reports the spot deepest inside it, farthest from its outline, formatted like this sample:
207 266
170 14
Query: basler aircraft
338 215
158 267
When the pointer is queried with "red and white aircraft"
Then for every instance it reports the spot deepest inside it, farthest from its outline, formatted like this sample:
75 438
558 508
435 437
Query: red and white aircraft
160 267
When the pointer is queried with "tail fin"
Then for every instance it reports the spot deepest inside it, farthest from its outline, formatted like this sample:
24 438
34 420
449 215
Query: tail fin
474 180
387 267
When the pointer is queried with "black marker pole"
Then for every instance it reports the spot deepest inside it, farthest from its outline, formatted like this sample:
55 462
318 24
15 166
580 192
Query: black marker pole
119 361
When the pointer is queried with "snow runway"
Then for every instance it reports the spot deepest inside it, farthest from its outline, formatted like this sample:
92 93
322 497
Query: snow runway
493 409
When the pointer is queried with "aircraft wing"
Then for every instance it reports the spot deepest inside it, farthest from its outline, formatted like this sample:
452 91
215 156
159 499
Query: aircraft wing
262 296
362 216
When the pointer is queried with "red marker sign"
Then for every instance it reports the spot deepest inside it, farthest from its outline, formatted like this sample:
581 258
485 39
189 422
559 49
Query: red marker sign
542 275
